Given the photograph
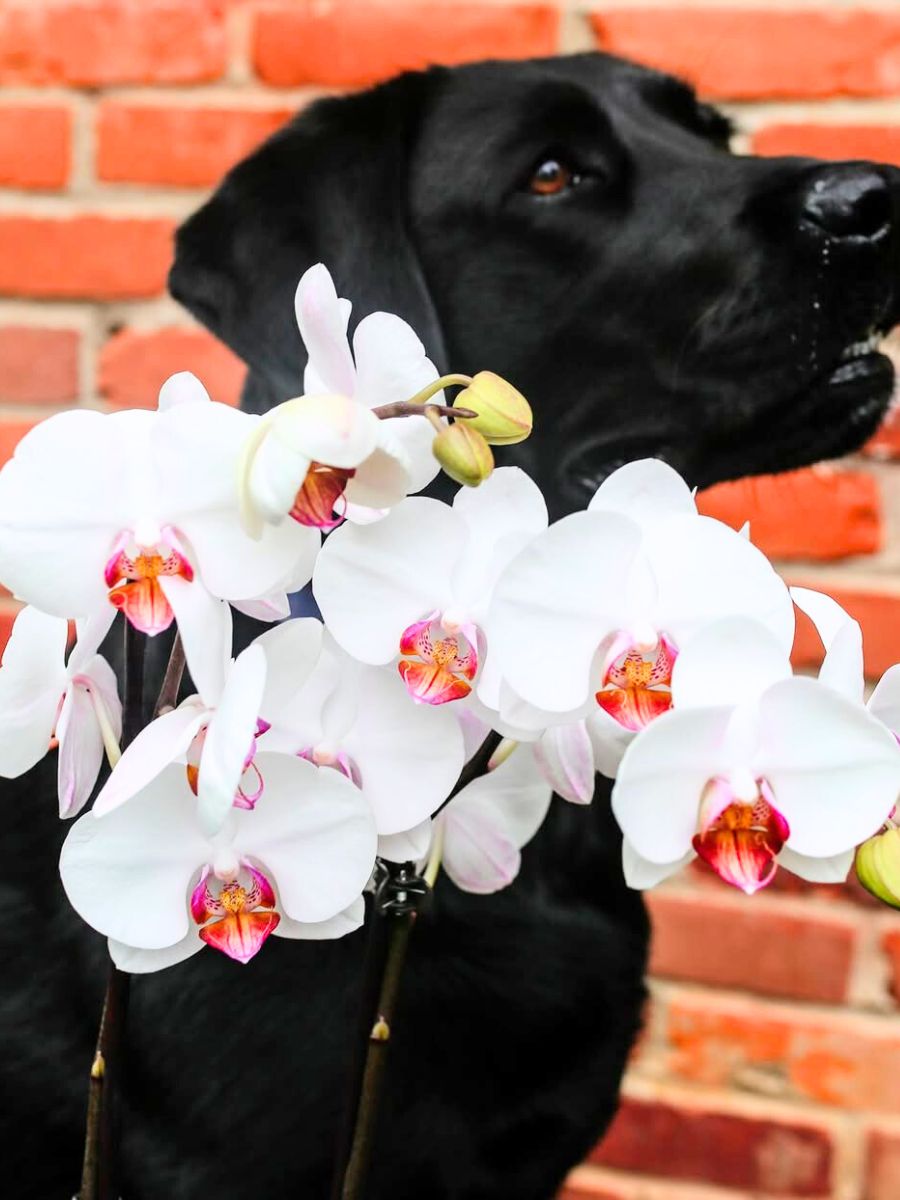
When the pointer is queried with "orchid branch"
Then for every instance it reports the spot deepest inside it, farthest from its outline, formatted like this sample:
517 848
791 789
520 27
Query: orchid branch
99 1162
168 692
409 408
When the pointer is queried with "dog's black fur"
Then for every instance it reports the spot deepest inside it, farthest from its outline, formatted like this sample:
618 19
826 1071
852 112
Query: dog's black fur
673 300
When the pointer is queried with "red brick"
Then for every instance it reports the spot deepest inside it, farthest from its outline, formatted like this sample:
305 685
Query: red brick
190 147
134 364
8 611
886 442
848 1061
38 366
880 143
35 146
751 944
90 257
719 1148
878 612
755 53
351 42
92 43
583 1190
786 512
890 944
882 1165
11 433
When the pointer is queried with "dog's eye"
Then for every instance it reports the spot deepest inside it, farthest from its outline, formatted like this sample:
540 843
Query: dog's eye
551 177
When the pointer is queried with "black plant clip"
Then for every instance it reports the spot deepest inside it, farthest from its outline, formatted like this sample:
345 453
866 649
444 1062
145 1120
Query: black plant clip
400 890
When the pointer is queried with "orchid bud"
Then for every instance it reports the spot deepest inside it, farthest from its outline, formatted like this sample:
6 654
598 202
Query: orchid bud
463 453
504 415
878 866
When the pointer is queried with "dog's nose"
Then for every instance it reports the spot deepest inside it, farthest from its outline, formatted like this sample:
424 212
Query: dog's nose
848 202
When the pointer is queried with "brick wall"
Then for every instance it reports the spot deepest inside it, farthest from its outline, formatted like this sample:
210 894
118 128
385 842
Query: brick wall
771 1062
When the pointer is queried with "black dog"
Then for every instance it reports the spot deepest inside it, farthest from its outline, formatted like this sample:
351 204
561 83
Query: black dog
578 226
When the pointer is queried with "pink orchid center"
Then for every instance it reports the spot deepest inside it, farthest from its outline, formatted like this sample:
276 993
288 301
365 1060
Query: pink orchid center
324 754
741 832
140 557
251 785
321 495
637 679
439 658
236 915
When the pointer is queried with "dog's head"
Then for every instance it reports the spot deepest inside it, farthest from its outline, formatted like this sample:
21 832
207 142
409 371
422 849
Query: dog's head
579 226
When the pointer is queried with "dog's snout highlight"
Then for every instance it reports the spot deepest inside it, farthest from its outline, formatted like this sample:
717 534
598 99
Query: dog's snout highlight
848 201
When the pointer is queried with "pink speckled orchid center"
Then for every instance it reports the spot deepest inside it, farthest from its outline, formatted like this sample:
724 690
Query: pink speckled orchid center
235 910
140 557
637 680
741 832
440 659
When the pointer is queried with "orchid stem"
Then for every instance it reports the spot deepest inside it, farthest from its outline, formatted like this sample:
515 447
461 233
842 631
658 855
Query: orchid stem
101 1135
409 408
168 693
433 866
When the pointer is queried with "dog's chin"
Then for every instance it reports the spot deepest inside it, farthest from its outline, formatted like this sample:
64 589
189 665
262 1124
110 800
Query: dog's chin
835 415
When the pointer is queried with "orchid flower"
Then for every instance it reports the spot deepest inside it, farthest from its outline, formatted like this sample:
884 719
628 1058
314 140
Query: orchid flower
387 363
357 719
415 587
752 769
216 735
149 877
42 698
590 617
138 511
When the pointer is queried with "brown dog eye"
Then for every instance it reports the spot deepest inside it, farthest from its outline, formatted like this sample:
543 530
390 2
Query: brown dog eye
551 178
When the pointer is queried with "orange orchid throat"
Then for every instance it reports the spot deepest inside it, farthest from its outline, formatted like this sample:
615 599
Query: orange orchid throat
640 689
240 912
740 838
438 662
133 572
320 501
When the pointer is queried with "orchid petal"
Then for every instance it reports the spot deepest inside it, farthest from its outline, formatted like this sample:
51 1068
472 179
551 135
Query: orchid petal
409 846
160 743
127 874
373 582
479 856
292 651
642 874
834 770
731 661
336 431
90 633
32 682
271 608
842 667
554 604
884 702
339 926
661 778
324 330
229 737
142 962
817 870
409 755
276 474
205 626
646 491
313 832
80 751
182 388
565 756
609 740
383 479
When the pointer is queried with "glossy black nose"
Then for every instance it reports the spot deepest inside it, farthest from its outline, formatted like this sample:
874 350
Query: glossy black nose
848 201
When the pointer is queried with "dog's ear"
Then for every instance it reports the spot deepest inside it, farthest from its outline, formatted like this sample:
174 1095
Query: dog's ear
332 187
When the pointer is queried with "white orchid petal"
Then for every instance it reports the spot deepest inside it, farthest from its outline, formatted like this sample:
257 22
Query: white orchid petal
182 388
335 430
143 962
292 651
32 682
479 856
229 737
565 756
409 846
646 491
339 926
834 770
205 627
275 607
276 475
884 702
160 743
127 874
514 796
313 831
233 566
382 480
660 781
80 751
323 327
554 604
609 740
817 870
90 632
642 874
842 667
373 582
729 662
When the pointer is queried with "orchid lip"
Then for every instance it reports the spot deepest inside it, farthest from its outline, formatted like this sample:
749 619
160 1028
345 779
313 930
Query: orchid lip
740 839
641 688
238 917
438 666
133 570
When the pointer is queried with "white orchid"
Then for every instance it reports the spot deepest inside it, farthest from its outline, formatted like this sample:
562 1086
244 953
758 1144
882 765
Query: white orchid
752 769
418 583
149 877
603 601
43 697
138 511
357 719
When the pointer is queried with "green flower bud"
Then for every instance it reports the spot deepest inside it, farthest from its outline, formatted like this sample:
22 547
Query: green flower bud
463 453
878 866
504 415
